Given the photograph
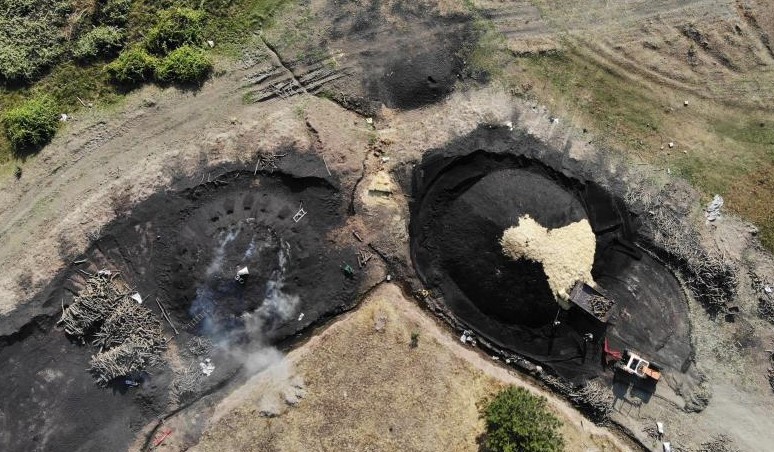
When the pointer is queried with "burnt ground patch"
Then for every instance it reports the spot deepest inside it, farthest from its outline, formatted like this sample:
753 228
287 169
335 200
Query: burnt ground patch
466 195
402 54
183 248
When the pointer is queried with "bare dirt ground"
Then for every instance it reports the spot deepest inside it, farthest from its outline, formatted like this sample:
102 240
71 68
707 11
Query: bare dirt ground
378 393
625 72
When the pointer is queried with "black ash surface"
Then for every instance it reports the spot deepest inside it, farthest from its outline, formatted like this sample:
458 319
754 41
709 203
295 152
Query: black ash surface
468 194
182 247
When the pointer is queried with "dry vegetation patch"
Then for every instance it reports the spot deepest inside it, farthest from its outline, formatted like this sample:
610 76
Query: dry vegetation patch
368 389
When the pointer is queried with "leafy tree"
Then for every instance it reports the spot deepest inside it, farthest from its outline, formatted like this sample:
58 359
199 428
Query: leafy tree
31 125
186 66
99 42
517 421
133 66
175 28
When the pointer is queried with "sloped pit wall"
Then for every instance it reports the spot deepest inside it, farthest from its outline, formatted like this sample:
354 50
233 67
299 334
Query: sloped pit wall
181 247
467 193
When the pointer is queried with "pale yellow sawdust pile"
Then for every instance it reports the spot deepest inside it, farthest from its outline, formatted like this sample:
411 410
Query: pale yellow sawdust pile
566 253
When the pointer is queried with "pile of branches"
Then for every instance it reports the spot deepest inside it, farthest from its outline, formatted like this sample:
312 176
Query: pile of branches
129 322
199 346
765 300
721 443
92 305
186 383
600 305
128 335
711 278
126 359
593 397
770 371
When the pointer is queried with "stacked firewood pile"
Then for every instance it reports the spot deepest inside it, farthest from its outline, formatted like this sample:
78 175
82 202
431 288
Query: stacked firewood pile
708 273
600 305
128 335
92 305
593 397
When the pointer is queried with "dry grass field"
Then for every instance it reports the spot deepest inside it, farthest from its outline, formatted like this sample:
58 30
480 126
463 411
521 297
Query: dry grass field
367 390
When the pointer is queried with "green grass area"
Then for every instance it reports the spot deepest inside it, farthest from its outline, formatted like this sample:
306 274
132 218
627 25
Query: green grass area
720 148
229 23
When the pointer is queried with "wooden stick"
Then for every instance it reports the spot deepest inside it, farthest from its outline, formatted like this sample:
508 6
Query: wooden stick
357 236
326 165
166 317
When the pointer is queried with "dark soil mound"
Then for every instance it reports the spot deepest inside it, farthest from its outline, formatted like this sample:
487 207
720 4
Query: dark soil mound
467 242
416 78
463 202
182 248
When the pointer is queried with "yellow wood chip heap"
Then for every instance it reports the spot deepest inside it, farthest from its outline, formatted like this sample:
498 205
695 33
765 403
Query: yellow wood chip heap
567 253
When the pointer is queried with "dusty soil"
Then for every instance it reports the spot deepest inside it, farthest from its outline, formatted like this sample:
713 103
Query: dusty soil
105 163
361 396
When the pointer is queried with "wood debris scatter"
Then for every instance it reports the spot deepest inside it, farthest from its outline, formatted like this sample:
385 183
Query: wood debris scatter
600 306
128 335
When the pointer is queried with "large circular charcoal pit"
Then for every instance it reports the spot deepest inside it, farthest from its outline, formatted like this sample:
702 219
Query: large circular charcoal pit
464 201
182 248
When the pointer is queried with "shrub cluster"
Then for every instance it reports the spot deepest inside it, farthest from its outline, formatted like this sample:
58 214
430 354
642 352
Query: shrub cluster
170 52
31 125
186 65
31 36
101 41
113 13
133 66
175 28
516 420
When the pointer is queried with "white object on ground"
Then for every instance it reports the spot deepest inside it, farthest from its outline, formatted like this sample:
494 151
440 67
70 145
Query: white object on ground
667 447
207 367
768 289
300 316
136 297
660 427
243 271
389 278
671 145
211 44
299 215
369 120
64 117
712 212
509 125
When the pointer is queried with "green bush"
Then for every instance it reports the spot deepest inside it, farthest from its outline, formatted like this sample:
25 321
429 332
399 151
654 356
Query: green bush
133 66
100 42
186 65
114 13
517 421
175 28
31 37
31 125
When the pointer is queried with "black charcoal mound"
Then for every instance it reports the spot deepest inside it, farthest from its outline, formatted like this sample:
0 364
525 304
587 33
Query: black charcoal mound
466 195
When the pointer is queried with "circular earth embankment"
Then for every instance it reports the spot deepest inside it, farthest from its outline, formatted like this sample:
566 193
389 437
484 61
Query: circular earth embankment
464 199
